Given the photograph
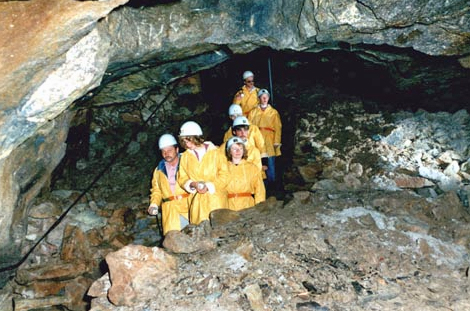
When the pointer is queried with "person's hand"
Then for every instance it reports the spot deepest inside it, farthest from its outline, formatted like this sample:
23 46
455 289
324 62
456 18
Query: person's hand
264 167
199 186
202 190
153 210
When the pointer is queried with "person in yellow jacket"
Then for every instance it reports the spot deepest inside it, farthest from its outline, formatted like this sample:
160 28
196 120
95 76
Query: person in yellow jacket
254 135
241 127
203 173
165 191
246 187
269 122
247 96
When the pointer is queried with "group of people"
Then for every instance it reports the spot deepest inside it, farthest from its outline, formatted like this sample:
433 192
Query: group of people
188 186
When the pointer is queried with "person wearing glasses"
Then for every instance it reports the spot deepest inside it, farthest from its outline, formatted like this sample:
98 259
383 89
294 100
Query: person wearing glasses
166 192
246 187
247 96
203 173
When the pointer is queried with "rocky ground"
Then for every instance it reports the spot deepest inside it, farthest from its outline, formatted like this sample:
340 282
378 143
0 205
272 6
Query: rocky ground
386 251
374 216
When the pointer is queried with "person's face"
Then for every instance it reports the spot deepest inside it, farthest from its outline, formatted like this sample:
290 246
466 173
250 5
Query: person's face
249 82
169 153
242 132
188 144
236 151
264 99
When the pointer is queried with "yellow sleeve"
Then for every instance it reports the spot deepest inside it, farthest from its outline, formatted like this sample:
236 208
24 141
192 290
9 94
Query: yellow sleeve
183 176
251 116
221 149
258 138
228 134
237 99
258 185
277 128
222 173
155 192
254 156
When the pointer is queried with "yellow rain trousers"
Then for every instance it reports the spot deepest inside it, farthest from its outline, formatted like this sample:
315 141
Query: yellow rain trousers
269 123
254 136
248 100
211 169
246 187
173 204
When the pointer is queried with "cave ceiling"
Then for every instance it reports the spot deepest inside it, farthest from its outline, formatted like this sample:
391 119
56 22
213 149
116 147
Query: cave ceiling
55 52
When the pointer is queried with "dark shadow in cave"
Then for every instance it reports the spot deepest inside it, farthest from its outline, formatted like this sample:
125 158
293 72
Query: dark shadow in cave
149 3
384 78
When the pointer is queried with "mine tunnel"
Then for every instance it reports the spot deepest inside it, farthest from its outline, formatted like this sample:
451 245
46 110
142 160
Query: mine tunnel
371 202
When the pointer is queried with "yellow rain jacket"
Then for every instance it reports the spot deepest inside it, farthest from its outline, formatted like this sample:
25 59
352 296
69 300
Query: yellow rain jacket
254 137
173 204
269 123
211 169
247 99
246 187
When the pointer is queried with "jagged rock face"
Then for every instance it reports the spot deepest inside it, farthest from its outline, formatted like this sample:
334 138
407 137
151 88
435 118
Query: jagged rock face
55 52
183 29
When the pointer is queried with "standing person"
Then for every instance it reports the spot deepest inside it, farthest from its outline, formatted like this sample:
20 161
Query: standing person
269 122
165 190
246 187
253 135
247 97
203 173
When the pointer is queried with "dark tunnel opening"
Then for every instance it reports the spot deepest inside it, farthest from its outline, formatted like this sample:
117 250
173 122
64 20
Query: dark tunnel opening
384 78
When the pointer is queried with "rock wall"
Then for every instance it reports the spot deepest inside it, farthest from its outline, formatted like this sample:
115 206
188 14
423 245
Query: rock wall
55 52
24 173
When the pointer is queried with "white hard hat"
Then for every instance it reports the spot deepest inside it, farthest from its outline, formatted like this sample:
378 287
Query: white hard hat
235 109
247 74
241 120
190 128
166 140
263 91
235 140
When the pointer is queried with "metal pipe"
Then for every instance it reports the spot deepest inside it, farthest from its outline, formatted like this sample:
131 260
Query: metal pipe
270 81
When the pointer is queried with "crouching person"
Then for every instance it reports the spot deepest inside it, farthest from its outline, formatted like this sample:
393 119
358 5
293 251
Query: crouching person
203 173
166 192
246 187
